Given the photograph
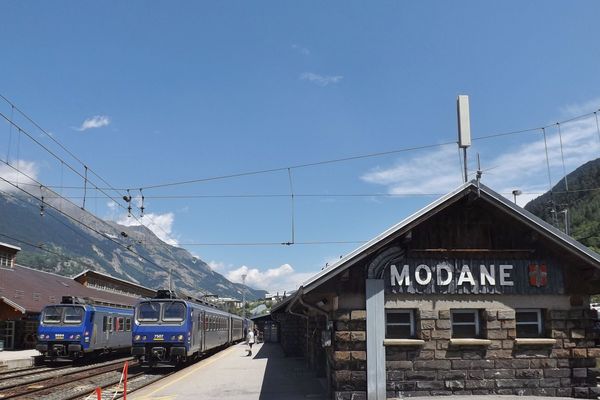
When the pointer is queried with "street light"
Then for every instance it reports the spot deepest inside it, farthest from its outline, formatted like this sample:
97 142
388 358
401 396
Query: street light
243 296
516 193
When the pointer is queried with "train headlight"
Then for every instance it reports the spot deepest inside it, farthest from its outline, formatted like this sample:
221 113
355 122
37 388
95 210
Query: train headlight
71 336
180 338
173 338
137 338
77 337
144 337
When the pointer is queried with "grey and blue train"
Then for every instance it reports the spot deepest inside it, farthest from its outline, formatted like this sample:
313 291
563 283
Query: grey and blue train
77 327
169 330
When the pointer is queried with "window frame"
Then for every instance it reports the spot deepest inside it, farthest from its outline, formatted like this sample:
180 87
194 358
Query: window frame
411 324
477 321
539 322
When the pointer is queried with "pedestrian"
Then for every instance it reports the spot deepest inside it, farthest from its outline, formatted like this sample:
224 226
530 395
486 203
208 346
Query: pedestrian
250 341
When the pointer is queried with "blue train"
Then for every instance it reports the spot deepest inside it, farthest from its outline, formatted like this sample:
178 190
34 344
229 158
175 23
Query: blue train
76 328
169 330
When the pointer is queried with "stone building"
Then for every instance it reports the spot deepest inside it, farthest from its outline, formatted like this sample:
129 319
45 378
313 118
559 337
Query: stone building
470 295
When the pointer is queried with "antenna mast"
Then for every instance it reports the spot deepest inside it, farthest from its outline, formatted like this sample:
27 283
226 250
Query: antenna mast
464 127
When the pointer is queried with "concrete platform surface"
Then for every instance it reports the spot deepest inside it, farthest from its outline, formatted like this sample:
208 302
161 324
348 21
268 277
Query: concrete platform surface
232 375
17 354
17 359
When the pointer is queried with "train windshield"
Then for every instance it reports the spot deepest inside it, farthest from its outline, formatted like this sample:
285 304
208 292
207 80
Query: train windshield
72 315
148 312
52 315
173 312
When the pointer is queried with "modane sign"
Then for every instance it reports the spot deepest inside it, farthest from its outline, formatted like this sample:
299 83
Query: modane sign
473 276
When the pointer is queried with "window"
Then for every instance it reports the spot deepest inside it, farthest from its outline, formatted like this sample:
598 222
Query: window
73 315
128 324
148 312
5 260
399 324
51 315
174 312
465 324
108 324
119 324
529 323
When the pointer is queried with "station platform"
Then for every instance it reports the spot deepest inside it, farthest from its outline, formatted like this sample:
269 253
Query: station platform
17 358
232 375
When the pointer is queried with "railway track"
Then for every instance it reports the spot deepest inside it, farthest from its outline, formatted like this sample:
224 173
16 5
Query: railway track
57 383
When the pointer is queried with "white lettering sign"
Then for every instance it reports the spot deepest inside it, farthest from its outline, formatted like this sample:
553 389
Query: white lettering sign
505 271
400 279
418 274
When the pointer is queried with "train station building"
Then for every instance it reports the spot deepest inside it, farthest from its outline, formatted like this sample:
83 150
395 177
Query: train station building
470 295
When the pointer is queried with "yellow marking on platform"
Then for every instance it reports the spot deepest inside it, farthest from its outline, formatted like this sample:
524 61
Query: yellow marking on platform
166 385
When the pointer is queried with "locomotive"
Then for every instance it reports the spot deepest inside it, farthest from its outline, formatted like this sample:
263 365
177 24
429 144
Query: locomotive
77 327
169 330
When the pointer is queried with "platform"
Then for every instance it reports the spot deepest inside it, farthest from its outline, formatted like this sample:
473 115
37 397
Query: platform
232 375
17 358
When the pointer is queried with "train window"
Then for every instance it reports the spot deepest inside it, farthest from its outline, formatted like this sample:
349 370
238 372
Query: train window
128 325
51 315
174 311
148 312
107 324
120 324
73 315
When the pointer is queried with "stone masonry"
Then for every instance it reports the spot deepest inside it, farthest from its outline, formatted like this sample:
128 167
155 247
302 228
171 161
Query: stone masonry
565 368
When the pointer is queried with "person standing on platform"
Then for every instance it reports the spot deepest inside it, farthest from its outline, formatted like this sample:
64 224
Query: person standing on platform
250 341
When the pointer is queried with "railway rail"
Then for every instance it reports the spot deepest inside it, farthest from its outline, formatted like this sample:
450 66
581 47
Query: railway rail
57 382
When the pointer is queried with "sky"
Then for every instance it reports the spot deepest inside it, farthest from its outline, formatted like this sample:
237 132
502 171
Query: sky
152 93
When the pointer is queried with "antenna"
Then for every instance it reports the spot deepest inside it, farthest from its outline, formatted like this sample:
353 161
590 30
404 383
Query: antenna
464 127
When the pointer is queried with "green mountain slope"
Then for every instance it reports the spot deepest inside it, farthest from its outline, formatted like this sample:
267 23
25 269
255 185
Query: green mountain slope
582 201
79 248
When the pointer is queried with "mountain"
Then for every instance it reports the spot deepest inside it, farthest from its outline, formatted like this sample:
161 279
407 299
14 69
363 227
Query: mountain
582 201
79 248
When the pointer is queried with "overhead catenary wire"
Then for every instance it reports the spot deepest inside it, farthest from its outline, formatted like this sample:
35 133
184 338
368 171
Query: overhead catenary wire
63 163
562 156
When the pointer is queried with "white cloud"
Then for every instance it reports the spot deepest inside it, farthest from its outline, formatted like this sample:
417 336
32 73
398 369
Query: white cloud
160 224
320 80
24 172
97 121
280 279
217 265
301 49
521 167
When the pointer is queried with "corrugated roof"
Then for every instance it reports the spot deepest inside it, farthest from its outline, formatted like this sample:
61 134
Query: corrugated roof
493 197
30 289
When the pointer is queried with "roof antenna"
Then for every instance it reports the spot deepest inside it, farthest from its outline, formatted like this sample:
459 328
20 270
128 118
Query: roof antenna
478 175
464 127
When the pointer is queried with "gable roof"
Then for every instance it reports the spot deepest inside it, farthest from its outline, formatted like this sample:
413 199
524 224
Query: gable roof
29 290
501 202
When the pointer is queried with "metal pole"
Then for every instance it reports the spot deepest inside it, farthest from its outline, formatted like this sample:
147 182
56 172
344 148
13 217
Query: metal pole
465 162
244 296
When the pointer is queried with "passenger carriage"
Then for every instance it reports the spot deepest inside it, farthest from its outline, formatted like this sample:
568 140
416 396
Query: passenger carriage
171 330
77 327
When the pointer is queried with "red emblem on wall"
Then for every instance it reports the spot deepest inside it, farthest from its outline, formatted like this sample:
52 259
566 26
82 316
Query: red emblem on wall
538 275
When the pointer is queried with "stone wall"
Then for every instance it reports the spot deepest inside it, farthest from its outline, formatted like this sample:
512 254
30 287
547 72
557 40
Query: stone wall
349 375
566 368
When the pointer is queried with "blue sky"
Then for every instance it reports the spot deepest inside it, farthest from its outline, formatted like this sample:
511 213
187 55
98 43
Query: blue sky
175 92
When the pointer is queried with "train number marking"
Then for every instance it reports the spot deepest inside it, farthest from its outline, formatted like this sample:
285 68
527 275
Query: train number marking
159 337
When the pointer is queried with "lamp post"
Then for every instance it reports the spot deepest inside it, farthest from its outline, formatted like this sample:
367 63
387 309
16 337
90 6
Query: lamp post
516 193
244 296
